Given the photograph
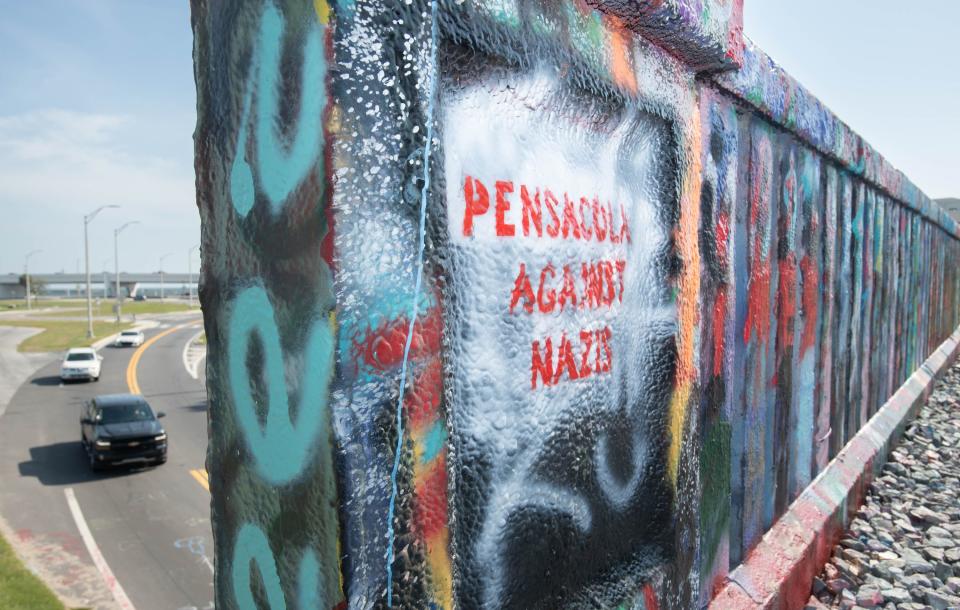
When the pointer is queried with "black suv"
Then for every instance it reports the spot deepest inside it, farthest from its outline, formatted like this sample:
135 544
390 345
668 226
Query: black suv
121 427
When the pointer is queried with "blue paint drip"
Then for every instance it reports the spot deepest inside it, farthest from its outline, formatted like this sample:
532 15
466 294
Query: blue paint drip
416 292
282 449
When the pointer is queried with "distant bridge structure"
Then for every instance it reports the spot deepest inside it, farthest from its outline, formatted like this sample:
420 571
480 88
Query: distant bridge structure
102 283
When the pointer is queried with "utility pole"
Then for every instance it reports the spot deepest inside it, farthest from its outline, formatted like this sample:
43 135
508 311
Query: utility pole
116 263
86 255
26 274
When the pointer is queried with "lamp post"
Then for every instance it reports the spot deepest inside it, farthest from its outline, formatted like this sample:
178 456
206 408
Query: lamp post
116 262
190 272
161 272
26 274
86 255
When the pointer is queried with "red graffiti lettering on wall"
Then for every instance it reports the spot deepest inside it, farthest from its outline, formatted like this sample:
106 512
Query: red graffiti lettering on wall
590 354
578 218
595 284
545 287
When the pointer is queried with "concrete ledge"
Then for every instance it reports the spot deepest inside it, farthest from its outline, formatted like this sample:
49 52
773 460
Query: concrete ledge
777 574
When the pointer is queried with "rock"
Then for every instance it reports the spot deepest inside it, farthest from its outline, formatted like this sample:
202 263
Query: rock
815 604
953 583
896 595
850 570
952 555
869 598
943 571
853 543
941 543
838 585
942 601
925 514
855 557
918 567
915 580
909 554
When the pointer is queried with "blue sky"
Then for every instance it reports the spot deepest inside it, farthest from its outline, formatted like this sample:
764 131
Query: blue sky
98 106
888 68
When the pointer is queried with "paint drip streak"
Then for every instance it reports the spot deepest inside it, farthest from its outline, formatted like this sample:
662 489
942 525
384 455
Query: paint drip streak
431 93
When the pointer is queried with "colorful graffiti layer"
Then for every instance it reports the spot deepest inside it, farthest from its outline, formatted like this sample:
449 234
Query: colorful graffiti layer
509 307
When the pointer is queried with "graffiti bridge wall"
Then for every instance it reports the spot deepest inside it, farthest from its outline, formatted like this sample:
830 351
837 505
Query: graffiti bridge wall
529 304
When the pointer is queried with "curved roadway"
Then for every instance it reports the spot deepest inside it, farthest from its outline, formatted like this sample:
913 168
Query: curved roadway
151 525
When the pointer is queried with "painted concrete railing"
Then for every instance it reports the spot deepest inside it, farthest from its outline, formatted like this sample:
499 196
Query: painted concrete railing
522 304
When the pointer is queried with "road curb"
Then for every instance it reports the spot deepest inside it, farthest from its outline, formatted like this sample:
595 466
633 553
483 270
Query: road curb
778 573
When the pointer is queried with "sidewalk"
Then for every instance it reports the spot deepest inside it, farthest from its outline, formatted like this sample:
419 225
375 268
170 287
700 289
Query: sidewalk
15 367
902 551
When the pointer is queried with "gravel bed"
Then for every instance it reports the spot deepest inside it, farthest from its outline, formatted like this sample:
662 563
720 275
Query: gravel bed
902 551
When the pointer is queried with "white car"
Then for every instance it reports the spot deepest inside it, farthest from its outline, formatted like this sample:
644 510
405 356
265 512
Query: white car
132 338
81 363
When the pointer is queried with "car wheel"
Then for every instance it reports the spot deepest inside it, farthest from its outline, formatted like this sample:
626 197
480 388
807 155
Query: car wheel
97 378
94 464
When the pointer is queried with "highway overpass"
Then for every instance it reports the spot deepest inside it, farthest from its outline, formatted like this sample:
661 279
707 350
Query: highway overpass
130 282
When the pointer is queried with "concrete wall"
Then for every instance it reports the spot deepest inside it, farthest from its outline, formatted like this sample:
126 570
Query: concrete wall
651 295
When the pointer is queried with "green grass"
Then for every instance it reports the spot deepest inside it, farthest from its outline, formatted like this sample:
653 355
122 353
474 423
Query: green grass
105 308
58 336
19 588
38 303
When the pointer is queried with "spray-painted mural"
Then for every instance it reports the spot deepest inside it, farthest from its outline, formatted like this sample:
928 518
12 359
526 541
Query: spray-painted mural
508 307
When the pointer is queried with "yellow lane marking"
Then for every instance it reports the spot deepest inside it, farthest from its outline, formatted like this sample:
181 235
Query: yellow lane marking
132 384
202 478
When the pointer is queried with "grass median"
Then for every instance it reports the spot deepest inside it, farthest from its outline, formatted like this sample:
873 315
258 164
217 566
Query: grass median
105 308
58 335
19 588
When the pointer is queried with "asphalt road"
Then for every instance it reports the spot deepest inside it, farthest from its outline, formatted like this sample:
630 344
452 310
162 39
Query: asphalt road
150 524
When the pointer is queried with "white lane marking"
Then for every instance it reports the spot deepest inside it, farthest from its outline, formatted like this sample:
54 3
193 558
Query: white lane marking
112 583
192 367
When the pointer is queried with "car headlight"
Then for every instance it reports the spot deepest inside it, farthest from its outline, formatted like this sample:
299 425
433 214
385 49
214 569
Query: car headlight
102 444
160 437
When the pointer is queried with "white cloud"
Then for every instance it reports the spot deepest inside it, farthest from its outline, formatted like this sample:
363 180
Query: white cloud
56 165
61 159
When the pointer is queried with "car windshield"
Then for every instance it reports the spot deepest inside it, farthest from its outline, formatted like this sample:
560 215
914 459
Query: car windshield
79 357
118 414
129 333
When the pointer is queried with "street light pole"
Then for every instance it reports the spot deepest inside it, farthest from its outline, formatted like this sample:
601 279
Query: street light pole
86 254
161 272
26 274
190 271
116 263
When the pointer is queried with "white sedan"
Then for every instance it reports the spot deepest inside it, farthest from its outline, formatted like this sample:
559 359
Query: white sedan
132 338
81 363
